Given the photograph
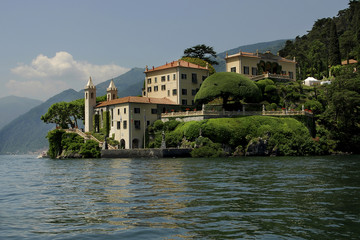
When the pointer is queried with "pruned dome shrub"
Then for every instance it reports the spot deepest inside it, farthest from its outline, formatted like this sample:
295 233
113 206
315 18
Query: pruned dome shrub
228 85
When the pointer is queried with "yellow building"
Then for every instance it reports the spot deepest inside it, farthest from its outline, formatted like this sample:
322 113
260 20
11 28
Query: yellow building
261 65
178 81
166 88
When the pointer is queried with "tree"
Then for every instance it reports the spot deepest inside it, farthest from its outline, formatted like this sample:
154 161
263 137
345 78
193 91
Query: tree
334 50
227 85
64 114
347 43
200 62
203 52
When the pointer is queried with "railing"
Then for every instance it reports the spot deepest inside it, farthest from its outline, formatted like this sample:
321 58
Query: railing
87 136
233 113
270 75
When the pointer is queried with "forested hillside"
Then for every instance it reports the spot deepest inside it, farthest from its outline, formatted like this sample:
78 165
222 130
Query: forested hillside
330 41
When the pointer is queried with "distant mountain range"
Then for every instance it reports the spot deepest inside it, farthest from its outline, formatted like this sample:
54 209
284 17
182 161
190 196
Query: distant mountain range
27 133
12 107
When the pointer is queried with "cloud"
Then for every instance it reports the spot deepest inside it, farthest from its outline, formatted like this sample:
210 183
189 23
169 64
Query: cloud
51 75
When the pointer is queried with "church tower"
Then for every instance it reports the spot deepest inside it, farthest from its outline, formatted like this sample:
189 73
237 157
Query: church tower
111 91
90 102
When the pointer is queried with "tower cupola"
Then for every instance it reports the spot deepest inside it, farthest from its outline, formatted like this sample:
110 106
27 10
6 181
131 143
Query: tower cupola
111 91
90 103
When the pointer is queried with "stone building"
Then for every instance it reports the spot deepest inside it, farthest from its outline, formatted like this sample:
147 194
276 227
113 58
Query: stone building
167 87
261 65
178 81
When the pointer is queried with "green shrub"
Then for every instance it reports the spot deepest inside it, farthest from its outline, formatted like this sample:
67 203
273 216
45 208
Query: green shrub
158 125
170 125
55 147
90 149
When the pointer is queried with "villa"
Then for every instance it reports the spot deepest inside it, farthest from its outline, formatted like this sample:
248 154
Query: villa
261 65
167 87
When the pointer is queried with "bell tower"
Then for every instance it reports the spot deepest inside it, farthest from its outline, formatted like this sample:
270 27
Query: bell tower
90 103
111 91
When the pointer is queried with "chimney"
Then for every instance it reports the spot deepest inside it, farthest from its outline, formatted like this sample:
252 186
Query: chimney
146 68
227 55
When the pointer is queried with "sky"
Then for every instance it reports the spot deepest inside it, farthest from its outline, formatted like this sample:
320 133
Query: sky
50 46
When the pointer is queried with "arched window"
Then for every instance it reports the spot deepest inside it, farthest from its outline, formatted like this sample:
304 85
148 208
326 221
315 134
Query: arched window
92 95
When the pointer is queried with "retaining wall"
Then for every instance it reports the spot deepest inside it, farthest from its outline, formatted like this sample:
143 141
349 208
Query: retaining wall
146 153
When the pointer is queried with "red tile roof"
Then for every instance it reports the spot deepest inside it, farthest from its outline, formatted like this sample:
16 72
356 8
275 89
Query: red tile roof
136 100
173 64
351 61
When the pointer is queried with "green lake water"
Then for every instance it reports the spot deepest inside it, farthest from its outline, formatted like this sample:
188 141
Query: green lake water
224 198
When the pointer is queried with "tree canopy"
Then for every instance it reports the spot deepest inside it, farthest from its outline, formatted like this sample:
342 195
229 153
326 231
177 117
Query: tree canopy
203 52
227 85
328 42
200 62
65 114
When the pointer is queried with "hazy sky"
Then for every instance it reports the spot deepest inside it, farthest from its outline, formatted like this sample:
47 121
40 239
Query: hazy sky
49 46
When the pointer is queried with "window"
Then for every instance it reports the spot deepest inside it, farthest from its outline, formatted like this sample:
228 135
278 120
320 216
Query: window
137 124
112 123
125 124
168 77
149 80
118 124
112 114
291 75
246 70
163 87
147 123
163 78
144 93
204 77
154 111
183 76
86 96
184 91
283 72
174 76
155 79
168 93
118 111
136 110
156 88
184 102
193 92
194 77
91 95
124 110
233 69
149 89
192 102
174 92
254 71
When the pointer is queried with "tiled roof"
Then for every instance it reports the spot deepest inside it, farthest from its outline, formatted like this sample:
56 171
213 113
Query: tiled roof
351 61
173 64
136 100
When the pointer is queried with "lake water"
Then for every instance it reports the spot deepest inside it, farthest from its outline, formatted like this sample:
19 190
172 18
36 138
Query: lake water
227 198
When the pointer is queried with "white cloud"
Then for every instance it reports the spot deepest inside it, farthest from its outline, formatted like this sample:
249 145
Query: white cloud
50 75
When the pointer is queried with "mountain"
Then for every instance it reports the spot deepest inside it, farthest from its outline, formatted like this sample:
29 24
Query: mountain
27 132
128 84
12 107
272 46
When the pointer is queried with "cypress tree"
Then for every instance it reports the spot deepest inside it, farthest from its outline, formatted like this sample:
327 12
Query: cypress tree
334 49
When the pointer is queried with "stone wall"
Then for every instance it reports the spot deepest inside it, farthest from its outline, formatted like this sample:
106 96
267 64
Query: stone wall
146 153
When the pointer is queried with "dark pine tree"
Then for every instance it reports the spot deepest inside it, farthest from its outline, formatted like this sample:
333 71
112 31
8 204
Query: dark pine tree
334 49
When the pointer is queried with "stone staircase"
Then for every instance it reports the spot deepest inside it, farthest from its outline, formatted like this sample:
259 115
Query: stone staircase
87 137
